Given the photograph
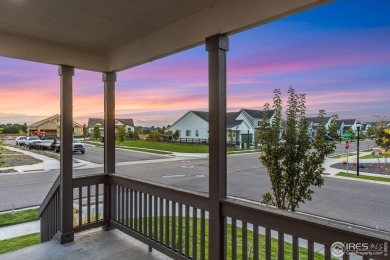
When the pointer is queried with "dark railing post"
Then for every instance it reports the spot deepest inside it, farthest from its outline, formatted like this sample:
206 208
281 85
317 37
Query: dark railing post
217 46
65 233
109 79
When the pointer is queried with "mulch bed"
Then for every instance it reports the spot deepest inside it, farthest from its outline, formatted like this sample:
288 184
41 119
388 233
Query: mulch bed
378 168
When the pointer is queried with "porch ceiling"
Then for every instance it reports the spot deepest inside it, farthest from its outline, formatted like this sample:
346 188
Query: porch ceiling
102 35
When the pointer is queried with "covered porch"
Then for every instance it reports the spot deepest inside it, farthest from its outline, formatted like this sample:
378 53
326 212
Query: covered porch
180 224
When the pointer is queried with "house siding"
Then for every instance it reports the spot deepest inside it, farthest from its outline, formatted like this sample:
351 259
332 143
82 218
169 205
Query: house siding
193 123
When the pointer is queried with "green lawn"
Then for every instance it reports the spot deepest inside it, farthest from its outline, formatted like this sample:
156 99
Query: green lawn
365 177
15 243
371 156
170 147
342 155
7 219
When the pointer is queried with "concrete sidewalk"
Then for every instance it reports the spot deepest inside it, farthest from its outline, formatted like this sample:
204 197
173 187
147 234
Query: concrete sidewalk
47 163
19 229
331 172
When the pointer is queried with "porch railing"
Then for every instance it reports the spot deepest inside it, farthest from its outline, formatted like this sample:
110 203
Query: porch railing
88 205
175 221
168 219
49 212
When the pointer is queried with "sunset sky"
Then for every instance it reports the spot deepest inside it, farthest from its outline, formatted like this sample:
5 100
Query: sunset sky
337 54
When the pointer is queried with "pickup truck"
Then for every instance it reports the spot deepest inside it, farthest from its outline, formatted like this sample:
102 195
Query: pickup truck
77 147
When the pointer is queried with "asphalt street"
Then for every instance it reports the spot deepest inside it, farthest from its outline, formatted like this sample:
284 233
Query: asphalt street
356 202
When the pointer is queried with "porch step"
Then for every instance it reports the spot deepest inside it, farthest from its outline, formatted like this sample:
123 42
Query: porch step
93 244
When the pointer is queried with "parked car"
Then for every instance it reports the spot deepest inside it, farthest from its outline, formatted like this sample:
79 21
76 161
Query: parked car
20 140
77 147
31 141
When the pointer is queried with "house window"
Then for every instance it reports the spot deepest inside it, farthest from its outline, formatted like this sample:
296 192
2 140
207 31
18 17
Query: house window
197 133
258 123
188 132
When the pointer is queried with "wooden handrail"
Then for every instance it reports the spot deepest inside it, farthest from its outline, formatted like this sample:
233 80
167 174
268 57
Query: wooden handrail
191 198
311 228
53 189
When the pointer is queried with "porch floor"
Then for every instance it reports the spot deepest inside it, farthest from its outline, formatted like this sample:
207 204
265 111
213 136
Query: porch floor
93 244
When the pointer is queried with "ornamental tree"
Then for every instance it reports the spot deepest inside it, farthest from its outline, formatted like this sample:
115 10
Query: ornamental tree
96 132
121 134
383 140
295 165
85 131
176 135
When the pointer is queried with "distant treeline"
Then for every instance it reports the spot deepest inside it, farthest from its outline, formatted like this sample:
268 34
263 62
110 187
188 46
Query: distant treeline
13 128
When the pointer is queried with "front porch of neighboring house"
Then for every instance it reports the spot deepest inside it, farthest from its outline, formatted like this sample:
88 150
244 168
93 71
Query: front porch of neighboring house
178 223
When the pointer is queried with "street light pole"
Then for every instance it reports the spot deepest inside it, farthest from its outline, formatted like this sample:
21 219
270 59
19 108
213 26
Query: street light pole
357 151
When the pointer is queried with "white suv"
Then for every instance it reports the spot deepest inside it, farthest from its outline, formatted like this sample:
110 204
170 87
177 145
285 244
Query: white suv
20 140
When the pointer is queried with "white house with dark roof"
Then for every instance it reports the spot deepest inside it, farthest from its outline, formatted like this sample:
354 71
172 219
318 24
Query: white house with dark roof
239 125
314 122
127 122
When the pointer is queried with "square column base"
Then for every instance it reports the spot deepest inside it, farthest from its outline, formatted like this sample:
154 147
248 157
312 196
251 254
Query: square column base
107 227
64 238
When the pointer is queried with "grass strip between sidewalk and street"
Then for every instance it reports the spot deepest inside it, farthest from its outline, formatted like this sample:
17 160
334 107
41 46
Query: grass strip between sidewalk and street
364 177
16 243
18 217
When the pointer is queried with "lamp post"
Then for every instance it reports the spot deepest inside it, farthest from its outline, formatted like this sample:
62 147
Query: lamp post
358 125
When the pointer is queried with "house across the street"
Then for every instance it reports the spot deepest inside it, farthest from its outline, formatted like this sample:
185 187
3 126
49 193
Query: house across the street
314 123
92 122
241 125
51 127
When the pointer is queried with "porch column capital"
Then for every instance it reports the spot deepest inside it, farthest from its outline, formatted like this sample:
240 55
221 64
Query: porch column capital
65 70
218 41
109 76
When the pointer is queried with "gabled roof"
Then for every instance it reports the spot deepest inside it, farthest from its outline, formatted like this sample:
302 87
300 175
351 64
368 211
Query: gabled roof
339 123
202 114
44 120
126 121
231 119
349 121
51 119
258 114
93 121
